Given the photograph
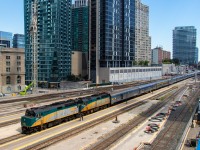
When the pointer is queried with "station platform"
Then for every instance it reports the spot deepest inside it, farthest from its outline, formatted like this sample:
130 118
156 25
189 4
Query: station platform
191 134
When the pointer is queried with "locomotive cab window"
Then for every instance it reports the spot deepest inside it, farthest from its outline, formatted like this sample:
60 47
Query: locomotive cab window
38 115
30 113
98 98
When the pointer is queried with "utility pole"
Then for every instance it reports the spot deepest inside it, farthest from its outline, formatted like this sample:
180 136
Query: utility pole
33 33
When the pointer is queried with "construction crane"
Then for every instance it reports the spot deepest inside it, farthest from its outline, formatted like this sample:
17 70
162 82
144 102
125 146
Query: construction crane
33 33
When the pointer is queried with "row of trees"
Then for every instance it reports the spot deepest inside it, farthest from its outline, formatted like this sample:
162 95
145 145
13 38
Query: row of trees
165 61
170 61
141 63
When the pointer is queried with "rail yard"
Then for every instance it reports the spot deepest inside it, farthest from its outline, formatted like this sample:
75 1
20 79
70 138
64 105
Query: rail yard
148 115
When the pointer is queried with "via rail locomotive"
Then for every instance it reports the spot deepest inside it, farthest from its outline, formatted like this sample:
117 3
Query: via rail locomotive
39 118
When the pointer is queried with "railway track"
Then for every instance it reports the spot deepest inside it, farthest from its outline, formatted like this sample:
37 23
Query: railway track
7 123
169 138
20 107
68 94
108 140
86 126
11 138
164 94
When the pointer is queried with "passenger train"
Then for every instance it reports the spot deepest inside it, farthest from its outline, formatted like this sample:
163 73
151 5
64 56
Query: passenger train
39 118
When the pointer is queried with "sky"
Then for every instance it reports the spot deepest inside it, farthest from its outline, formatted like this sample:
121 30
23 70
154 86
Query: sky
164 16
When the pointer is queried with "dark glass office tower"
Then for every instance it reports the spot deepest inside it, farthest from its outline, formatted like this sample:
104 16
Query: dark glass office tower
54 40
80 28
18 41
5 39
184 44
116 33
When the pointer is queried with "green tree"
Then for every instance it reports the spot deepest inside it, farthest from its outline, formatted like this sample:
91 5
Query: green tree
167 61
176 61
141 63
146 62
135 63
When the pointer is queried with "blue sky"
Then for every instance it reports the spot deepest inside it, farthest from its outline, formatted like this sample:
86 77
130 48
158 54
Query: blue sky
164 16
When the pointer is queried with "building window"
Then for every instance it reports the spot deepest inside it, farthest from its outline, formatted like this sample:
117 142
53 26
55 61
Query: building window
18 63
7 63
19 88
8 69
9 89
7 57
8 80
18 79
18 69
18 57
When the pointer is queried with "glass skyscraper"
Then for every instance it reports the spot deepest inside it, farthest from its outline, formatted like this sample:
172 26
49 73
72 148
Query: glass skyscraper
116 43
18 41
184 44
54 40
116 33
5 39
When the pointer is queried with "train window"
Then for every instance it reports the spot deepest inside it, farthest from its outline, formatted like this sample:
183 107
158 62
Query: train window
59 108
104 96
79 101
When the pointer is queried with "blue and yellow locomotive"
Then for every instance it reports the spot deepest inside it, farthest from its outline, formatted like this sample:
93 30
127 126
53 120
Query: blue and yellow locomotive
39 118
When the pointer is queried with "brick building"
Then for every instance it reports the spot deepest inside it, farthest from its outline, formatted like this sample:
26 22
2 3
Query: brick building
158 55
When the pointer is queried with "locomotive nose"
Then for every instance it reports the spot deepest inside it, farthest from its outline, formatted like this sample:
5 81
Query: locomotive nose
27 121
